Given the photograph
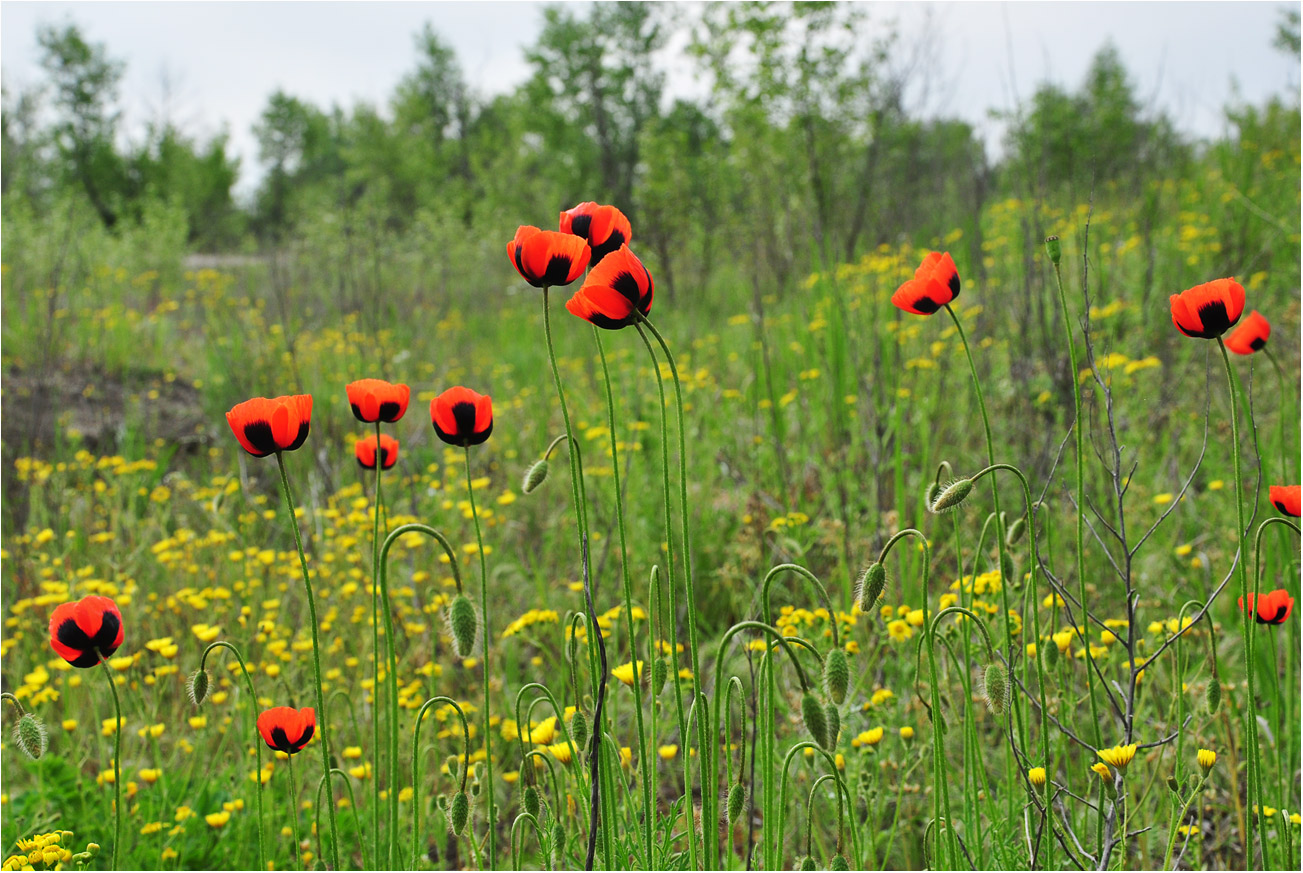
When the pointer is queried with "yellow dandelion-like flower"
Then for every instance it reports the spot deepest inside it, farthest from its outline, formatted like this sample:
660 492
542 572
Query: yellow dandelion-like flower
1102 769
1207 758
625 672
1036 776
1118 756
668 753
907 733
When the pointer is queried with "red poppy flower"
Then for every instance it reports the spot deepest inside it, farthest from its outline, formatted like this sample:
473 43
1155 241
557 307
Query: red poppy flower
935 283
1250 336
1273 607
461 417
615 292
85 631
605 228
365 450
548 258
1209 310
376 400
287 729
1285 498
264 426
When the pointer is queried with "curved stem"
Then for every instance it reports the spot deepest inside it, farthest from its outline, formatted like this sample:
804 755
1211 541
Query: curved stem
818 587
357 820
253 720
316 657
417 797
117 767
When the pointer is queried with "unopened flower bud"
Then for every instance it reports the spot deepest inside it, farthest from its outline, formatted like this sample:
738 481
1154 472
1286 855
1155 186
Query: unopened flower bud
737 798
459 812
836 675
1212 696
996 688
463 626
952 495
30 736
530 801
816 720
1054 249
872 581
197 686
834 720
535 476
579 728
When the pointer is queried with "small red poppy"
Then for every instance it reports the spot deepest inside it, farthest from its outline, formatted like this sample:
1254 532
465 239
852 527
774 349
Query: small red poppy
462 417
1209 310
375 400
86 630
1273 606
287 729
365 450
615 292
604 227
935 283
278 424
1251 336
1285 498
548 258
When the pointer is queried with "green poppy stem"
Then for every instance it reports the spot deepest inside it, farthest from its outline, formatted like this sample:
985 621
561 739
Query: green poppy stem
484 667
117 766
375 653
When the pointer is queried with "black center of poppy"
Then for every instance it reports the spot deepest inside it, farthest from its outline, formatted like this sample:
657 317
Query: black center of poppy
579 225
954 285
926 305
259 435
1257 343
558 270
1213 318
464 414
389 411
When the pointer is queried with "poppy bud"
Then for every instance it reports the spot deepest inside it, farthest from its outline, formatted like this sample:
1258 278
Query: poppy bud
441 801
30 736
1007 574
454 765
872 581
816 721
1051 656
807 863
558 843
475 788
1212 696
579 728
834 720
660 675
535 476
931 493
197 686
463 626
996 688
530 801
459 812
952 495
836 675
1015 532
1054 249
572 648
839 862
737 798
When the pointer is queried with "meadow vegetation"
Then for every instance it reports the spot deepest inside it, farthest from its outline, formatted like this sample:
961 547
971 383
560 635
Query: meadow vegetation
826 642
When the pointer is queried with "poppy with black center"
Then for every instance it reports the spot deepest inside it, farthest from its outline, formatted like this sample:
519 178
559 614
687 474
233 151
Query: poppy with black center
84 631
375 400
1251 336
604 227
935 283
1273 607
615 292
286 729
548 258
1285 498
265 426
461 417
365 452
1209 310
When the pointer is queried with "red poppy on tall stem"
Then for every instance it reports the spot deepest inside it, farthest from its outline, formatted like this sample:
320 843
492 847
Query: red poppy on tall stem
1209 310
604 227
935 283
1251 336
462 417
365 451
548 258
615 292
1286 499
1273 607
375 400
265 426
84 631
287 729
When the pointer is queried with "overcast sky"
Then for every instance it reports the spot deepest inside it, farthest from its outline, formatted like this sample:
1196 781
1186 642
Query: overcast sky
222 60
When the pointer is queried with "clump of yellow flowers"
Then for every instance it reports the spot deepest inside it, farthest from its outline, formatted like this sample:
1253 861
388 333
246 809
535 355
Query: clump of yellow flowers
48 852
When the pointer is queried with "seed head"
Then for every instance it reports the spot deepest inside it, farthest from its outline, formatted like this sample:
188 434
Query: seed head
1054 249
463 625
535 476
836 675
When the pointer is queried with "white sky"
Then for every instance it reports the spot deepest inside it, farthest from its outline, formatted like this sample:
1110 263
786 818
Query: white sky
224 59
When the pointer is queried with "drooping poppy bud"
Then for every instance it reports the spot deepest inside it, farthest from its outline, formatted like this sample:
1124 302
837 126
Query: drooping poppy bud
197 686
463 625
459 812
816 720
996 688
836 675
952 495
535 476
30 736
872 581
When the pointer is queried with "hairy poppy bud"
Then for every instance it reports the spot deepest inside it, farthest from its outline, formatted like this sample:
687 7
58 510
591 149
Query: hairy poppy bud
1212 696
951 496
834 720
1051 656
476 787
454 765
836 675
816 721
531 802
1054 249
572 648
872 581
1007 574
463 626
535 476
931 493
1015 532
839 862
30 736
197 686
459 812
737 798
441 801
996 688
558 843
579 728
659 676
807 863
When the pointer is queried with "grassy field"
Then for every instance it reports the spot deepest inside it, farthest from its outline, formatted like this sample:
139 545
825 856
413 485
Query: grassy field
814 420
